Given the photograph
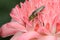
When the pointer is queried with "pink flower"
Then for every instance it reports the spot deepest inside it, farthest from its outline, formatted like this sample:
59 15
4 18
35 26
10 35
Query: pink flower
45 26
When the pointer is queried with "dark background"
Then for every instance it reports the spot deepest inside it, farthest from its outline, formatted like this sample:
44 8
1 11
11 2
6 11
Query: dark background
5 8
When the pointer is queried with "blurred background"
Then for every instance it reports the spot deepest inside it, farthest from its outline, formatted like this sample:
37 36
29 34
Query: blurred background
5 9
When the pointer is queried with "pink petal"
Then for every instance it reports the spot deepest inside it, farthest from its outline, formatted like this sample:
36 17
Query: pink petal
25 36
16 14
11 28
48 37
58 35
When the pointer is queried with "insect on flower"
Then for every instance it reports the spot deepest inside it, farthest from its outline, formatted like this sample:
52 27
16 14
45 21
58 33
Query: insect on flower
34 14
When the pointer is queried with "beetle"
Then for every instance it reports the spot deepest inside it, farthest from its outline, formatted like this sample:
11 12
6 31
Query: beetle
34 14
